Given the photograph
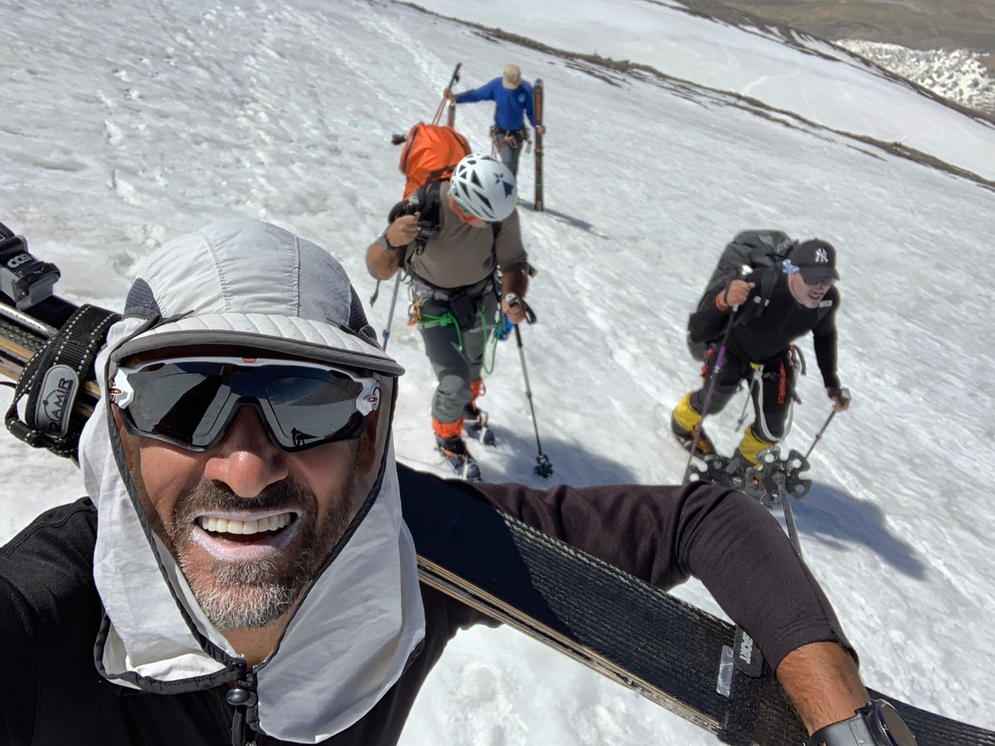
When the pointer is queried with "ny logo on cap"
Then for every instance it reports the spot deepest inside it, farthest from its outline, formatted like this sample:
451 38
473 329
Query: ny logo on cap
821 256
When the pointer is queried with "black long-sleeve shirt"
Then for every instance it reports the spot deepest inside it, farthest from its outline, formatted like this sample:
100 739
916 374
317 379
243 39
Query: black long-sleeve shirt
758 338
50 612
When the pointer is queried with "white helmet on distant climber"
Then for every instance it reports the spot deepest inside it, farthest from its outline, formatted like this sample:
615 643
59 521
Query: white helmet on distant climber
484 187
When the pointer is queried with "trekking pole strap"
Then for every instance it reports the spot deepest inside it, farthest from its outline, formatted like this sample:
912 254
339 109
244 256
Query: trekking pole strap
514 300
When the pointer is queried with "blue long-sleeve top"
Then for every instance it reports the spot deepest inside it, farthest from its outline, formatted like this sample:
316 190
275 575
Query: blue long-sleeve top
509 106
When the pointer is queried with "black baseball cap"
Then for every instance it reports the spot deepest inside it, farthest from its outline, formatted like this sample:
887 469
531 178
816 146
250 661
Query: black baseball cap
815 259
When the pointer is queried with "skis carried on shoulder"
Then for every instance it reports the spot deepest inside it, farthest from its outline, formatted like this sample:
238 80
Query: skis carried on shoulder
678 656
674 654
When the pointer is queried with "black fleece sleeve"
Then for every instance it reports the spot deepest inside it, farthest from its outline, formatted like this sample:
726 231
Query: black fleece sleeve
824 341
49 614
18 684
662 535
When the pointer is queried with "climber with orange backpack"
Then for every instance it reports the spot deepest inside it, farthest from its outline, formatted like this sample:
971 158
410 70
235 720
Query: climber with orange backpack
457 235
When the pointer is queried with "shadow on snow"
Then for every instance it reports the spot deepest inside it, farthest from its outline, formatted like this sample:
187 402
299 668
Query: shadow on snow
836 518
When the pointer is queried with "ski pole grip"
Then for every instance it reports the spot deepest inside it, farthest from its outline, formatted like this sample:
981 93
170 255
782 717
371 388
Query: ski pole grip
514 300
743 272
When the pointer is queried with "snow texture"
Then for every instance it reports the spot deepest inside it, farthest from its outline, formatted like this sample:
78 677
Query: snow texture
958 75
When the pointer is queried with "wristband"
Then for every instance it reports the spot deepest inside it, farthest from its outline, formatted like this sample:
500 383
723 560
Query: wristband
877 724
387 246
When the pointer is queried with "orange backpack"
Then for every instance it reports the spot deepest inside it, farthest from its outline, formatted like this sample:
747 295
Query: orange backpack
431 153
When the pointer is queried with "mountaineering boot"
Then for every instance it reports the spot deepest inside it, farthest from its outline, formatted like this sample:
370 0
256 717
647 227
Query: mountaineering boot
704 448
476 418
744 469
449 440
475 423
752 444
458 457
685 424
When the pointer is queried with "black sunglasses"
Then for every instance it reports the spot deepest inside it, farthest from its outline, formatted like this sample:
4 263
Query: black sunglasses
191 402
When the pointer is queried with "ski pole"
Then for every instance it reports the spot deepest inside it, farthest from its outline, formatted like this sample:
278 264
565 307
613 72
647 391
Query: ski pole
719 359
543 467
390 315
789 516
845 396
746 402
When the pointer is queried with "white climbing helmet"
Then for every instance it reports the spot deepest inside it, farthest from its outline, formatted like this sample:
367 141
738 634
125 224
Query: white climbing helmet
484 187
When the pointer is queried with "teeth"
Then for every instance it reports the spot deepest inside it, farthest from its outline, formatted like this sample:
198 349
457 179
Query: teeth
232 526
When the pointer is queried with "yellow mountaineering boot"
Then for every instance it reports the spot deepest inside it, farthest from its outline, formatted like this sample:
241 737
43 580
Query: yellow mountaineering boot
751 445
686 423
741 472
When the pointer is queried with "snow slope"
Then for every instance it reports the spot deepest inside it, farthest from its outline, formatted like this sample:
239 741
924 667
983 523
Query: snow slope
959 74
823 84
136 120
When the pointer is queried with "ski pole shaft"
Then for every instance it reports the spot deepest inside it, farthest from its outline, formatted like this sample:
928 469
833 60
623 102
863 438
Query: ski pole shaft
789 516
746 402
528 388
719 359
393 305
845 395
543 467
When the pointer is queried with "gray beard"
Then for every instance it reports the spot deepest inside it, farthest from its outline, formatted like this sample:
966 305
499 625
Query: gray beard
253 595
242 596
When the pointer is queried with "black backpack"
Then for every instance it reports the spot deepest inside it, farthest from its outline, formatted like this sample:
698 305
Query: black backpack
749 250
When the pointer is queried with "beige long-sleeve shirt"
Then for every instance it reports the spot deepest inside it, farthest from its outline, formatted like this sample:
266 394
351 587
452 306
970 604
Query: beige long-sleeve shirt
465 255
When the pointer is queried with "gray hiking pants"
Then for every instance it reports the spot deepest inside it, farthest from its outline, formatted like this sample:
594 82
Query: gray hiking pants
456 350
507 152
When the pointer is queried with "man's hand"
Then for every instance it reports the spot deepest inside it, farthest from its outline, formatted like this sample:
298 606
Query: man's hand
449 95
514 310
403 231
840 398
540 130
734 295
